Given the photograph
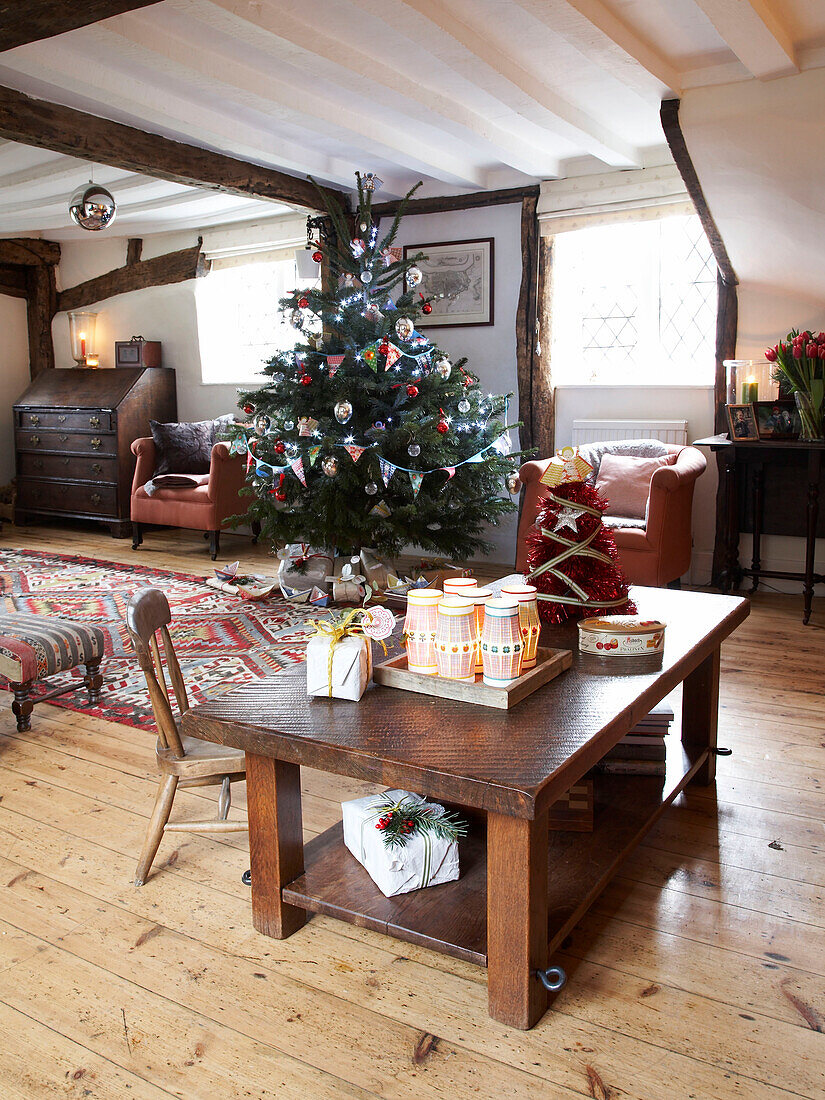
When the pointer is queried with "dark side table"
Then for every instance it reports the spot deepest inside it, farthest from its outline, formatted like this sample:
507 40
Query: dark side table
750 470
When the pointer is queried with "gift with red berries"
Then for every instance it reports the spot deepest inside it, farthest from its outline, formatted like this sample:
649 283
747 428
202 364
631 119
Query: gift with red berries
402 841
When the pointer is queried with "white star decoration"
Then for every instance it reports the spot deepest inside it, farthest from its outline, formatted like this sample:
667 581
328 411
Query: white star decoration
566 517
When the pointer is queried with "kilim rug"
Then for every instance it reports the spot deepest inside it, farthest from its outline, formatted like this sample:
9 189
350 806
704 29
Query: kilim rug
221 640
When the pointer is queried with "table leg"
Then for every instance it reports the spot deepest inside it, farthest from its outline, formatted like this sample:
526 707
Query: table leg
700 714
814 474
517 852
276 842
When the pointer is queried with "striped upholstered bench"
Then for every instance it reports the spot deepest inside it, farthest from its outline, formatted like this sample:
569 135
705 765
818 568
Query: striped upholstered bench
34 647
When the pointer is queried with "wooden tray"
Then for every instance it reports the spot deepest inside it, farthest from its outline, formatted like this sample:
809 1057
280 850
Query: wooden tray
549 663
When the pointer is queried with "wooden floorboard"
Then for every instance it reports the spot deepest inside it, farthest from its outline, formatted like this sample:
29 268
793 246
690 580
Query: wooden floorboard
699 973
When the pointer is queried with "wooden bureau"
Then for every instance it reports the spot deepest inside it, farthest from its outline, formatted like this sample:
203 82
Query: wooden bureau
73 432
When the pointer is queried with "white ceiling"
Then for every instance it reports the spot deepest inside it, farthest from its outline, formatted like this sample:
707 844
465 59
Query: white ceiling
464 94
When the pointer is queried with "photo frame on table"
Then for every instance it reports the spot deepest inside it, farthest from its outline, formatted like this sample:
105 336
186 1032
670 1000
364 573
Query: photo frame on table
459 278
742 422
777 419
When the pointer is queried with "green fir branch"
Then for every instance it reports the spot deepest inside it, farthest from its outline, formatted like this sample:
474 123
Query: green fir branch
398 821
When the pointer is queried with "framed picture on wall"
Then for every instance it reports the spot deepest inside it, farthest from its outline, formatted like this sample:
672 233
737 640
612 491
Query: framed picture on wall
459 278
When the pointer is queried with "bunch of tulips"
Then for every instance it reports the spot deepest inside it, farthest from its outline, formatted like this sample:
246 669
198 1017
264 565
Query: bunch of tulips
800 367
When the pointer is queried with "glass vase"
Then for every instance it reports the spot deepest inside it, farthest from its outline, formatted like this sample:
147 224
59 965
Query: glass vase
812 418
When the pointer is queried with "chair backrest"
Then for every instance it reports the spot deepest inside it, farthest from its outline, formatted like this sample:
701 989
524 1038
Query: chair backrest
147 616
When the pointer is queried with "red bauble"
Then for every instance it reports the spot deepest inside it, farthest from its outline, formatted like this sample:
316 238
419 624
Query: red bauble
384 347
442 426
280 447
318 256
603 582
280 495
306 380
303 303
426 308
412 391
249 409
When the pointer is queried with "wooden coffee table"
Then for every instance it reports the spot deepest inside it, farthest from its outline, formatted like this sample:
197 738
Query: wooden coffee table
522 889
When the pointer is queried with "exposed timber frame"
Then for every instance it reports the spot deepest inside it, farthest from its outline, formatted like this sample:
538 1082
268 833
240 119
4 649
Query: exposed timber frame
38 19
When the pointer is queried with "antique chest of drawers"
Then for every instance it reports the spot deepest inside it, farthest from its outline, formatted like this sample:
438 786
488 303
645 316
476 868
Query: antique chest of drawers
73 435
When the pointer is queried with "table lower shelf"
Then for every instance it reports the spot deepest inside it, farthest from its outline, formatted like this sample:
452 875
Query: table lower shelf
452 918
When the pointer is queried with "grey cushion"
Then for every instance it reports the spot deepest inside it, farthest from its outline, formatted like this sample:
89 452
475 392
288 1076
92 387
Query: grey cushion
624 521
636 448
186 448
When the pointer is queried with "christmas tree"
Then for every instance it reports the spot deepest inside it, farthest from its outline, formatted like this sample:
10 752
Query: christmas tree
366 434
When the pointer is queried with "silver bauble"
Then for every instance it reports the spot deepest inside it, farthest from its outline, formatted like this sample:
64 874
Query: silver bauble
413 450
261 424
289 425
444 368
278 377
413 276
370 488
404 328
343 411
464 405
296 318
92 207
513 483
330 465
366 277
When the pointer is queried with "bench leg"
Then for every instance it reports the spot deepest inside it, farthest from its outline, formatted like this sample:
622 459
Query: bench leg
93 681
22 705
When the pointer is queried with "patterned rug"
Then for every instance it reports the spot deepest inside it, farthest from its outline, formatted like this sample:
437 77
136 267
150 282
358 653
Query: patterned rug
221 640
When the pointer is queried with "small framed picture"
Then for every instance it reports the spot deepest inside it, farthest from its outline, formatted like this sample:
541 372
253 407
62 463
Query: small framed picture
742 422
777 419
459 278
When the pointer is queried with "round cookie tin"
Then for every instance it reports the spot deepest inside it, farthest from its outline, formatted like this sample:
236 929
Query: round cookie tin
621 636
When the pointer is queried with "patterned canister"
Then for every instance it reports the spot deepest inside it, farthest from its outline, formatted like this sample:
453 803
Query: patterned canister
501 642
479 597
419 629
455 639
457 586
622 636
528 612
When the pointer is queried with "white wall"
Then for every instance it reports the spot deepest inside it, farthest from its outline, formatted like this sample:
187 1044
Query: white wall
14 375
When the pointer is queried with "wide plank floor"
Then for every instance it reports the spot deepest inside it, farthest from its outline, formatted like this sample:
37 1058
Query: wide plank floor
699 975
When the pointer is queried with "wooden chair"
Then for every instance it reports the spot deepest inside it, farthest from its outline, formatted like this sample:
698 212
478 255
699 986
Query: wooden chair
182 761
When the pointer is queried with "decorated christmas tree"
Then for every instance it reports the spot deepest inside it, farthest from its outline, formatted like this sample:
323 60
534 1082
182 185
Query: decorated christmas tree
366 434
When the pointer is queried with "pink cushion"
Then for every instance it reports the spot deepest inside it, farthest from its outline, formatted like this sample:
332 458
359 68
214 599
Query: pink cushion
625 481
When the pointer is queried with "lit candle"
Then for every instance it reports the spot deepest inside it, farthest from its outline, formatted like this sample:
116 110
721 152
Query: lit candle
82 338
750 391
92 361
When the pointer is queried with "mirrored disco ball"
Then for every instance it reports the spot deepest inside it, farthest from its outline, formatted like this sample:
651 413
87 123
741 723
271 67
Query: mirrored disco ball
92 207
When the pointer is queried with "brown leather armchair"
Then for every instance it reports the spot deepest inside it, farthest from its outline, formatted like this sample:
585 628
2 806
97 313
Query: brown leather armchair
658 550
205 507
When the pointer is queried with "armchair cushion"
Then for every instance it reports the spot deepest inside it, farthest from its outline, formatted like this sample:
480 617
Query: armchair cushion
625 481
186 448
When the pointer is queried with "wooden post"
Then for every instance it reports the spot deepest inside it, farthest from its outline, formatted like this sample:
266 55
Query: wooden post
700 714
276 842
42 304
517 853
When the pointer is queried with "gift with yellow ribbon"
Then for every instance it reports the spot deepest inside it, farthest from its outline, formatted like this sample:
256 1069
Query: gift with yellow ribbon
339 654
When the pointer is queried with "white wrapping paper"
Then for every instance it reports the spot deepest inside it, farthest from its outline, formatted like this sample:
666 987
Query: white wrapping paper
424 861
351 667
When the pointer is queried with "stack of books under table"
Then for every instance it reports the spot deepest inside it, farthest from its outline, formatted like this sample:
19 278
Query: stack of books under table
642 751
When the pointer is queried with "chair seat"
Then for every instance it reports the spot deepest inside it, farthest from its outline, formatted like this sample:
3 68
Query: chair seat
36 646
202 758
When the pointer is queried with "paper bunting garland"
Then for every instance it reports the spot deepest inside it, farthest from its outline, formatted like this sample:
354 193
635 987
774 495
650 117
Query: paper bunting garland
306 426
393 355
416 480
387 470
370 356
381 509
450 471
313 454
298 469
237 447
333 363
353 451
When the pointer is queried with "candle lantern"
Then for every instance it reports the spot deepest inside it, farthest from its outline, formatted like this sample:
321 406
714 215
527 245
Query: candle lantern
457 586
82 326
478 597
528 609
419 629
455 641
501 643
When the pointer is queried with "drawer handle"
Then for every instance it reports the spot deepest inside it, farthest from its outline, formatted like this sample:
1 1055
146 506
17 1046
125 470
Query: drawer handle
35 420
96 498
96 467
34 440
61 420
38 463
65 462
97 443
63 438
94 421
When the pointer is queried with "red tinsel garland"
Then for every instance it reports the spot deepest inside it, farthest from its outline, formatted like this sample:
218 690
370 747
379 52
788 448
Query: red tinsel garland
602 582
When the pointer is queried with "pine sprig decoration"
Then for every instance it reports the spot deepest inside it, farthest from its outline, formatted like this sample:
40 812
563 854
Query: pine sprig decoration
401 820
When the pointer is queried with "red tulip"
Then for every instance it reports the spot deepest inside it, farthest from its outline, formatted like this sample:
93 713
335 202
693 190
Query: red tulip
770 354
821 338
811 350
822 351
797 351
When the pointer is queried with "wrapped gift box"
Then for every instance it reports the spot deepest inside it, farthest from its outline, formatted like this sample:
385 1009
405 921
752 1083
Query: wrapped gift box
351 667
425 860
301 569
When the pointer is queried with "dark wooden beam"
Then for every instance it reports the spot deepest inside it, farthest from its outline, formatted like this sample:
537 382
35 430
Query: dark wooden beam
42 304
669 116
134 247
28 251
173 267
13 280
38 19
442 204
65 130
534 396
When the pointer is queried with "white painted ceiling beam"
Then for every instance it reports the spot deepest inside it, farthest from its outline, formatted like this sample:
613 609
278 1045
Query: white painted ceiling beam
755 33
367 72
305 106
501 76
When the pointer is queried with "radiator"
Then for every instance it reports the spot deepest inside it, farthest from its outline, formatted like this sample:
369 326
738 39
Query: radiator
594 431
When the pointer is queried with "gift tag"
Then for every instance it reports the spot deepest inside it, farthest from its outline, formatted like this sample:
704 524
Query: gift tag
378 623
